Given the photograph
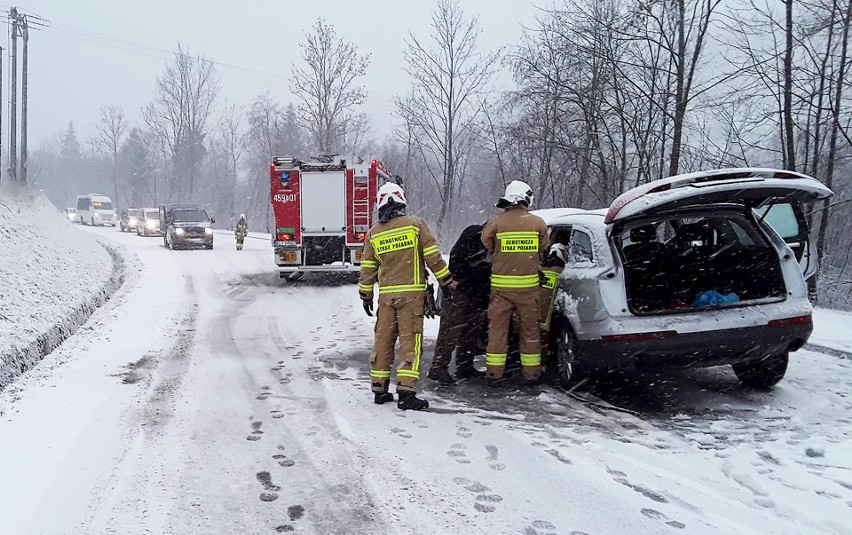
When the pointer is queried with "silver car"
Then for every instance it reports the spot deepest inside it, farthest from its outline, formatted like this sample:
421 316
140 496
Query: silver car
688 271
149 223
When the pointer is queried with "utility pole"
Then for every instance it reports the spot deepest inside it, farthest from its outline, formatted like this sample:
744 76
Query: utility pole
20 28
13 107
26 36
1 109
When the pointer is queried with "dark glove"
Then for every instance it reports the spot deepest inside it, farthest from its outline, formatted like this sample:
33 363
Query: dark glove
542 278
430 309
368 306
448 292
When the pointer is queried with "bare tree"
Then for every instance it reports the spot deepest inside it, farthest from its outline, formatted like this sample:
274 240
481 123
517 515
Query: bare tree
231 142
328 87
110 132
840 82
448 74
186 92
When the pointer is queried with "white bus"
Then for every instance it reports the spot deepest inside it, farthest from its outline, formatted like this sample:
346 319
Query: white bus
95 209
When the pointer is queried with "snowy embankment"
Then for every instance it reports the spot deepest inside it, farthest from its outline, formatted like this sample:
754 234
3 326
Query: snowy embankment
52 277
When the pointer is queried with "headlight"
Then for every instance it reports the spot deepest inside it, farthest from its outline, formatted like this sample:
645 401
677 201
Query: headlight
97 215
70 217
208 230
151 223
132 220
180 232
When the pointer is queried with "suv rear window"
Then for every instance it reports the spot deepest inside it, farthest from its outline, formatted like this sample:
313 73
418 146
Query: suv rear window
190 215
782 218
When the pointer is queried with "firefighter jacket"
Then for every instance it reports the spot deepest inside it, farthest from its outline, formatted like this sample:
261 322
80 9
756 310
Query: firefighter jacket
516 241
242 229
394 255
470 268
548 292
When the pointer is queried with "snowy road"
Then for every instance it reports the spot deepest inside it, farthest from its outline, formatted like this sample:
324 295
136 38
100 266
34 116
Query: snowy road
209 397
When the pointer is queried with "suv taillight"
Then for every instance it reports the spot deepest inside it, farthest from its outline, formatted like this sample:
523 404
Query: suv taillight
634 337
798 320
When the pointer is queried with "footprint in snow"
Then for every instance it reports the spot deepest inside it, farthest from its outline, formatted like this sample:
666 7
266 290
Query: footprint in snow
421 424
457 452
656 515
543 527
493 456
463 432
263 395
484 500
266 480
295 512
283 460
400 432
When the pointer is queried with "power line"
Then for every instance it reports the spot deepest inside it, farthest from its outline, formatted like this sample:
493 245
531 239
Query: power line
119 43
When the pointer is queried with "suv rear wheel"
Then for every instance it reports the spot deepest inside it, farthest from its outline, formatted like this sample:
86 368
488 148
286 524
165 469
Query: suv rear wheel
763 373
567 371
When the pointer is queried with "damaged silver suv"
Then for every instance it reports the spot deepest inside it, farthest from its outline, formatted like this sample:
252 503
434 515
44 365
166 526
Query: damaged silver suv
702 269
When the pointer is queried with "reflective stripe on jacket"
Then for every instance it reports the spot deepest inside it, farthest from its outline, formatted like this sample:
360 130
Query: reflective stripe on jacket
548 294
516 241
396 254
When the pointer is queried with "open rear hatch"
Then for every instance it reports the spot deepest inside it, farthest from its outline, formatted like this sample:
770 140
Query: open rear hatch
693 241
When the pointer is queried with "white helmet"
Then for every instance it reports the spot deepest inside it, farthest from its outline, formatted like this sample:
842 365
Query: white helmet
560 251
391 201
517 192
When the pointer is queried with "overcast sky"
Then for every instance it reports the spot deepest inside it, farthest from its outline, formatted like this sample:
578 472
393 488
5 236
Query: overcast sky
73 72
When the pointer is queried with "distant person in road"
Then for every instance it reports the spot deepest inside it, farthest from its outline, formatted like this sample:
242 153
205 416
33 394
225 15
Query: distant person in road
516 241
395 251
241 231
464 317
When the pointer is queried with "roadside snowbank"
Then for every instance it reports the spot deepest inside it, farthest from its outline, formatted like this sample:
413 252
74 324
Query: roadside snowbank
52 277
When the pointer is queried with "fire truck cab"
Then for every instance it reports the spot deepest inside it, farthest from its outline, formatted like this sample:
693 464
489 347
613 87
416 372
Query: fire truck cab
323 210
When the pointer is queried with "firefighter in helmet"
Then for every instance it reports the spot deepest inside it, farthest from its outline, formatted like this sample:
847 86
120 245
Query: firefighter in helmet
515 241
551 267
241 231
395 251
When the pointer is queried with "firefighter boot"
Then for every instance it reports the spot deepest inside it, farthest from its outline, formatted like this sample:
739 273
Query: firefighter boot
408 400
441 376
382 397
467 371
496 382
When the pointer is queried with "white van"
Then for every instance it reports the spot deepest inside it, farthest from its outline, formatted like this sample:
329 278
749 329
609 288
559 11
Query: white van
95 209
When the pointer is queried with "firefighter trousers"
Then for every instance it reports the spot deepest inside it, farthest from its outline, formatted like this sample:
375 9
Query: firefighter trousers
462 325
398 316
524 302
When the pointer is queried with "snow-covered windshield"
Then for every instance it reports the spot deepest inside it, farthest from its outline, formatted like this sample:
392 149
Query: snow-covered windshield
133 213
153 214
190 215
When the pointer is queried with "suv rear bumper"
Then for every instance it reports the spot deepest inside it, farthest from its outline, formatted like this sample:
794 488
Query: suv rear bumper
708 348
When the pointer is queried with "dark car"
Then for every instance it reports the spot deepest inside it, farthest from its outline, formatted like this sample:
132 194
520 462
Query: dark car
186 226
128 219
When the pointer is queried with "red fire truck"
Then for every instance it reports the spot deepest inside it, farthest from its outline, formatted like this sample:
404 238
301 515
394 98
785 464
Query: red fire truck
323 210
